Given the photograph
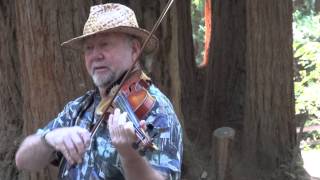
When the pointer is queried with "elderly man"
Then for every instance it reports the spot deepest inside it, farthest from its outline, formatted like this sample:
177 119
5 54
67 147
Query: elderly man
111 41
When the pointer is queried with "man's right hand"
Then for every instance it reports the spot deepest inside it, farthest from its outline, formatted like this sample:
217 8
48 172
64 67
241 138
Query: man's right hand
72 142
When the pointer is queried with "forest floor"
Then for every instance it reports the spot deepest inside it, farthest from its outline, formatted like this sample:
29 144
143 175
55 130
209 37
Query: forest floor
311 160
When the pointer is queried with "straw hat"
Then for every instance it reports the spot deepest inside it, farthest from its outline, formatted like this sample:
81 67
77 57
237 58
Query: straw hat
112 17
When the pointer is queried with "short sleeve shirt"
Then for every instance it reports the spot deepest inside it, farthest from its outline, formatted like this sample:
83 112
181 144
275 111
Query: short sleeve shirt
102 161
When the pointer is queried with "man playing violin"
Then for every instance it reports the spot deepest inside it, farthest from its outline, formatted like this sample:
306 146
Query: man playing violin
111 42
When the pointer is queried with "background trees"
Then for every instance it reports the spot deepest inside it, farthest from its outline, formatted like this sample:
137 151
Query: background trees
247 84
306 46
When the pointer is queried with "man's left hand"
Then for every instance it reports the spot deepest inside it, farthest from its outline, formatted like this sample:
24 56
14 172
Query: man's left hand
122 134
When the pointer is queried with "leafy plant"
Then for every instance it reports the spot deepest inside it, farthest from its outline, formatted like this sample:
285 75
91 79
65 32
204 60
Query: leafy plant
306 46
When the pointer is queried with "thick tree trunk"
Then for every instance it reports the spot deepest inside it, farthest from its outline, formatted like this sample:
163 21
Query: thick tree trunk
50 76
269 105
10 99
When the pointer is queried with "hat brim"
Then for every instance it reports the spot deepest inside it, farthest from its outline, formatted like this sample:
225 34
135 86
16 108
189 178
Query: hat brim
142 34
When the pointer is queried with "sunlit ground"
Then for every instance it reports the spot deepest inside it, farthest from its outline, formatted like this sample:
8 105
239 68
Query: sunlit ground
311 160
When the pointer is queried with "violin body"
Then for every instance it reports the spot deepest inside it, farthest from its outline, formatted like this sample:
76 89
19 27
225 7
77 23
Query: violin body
145 142
134 99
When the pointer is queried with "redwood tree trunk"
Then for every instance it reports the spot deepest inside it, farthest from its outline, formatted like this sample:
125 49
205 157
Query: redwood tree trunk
50 76
10 98
269 104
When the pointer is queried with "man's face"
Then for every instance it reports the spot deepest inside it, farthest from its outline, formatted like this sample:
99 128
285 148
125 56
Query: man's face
108 56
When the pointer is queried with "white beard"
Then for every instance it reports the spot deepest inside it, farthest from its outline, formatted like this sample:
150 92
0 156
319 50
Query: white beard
104 80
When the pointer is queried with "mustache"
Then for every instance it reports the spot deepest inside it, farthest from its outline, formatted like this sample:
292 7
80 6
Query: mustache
96 65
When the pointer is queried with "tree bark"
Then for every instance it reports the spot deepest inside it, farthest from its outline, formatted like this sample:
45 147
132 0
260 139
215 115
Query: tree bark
269 109
49 75
10 99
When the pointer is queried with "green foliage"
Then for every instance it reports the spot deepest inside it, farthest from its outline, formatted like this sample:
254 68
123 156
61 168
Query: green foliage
306 46
198 27
309 140
306 7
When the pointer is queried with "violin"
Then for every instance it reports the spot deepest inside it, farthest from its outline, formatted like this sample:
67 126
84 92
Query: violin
134 99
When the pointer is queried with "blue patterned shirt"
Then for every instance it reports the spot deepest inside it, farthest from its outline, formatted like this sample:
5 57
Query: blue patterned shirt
102 161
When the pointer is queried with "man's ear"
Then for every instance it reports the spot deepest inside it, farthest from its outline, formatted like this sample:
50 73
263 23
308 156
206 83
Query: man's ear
136 48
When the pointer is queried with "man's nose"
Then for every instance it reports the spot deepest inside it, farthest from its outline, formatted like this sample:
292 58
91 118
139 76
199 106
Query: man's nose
97 53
